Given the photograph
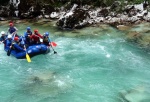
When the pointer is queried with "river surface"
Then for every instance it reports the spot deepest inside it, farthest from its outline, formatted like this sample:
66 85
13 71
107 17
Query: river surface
94 64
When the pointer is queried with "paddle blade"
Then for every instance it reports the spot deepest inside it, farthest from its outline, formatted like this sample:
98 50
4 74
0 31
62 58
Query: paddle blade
53 44
55 52
28 58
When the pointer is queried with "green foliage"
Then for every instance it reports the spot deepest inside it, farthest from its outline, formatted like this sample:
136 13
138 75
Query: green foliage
135 1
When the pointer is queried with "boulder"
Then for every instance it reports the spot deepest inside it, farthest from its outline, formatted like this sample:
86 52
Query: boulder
123 27
75 18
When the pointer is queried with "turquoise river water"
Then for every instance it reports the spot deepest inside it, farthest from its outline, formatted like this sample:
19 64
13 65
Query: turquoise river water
95 64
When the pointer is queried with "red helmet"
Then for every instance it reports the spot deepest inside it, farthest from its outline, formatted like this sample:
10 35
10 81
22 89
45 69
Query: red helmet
10 24
16 39
35 31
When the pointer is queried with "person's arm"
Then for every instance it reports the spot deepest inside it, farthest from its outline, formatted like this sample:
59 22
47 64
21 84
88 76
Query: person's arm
40 36
16 28
9 30
1 39
15 31
32 37
18 47
8 43
25 34
49 39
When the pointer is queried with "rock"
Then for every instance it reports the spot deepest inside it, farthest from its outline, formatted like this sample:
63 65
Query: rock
134 36
46 84
138 94
104 12
2 19
42 77
54 15
145 42
123 27
75 18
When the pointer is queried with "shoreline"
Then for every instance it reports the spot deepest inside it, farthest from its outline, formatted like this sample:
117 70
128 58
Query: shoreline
76 16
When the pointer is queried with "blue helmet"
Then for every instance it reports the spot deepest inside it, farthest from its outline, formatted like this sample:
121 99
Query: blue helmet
28 28
46 33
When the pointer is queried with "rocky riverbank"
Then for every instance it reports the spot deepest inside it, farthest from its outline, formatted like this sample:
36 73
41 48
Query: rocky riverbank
71 15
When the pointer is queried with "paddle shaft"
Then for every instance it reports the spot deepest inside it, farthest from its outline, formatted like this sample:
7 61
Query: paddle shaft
27 56
52 46
10 49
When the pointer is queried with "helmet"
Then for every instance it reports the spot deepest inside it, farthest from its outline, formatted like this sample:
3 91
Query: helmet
16 38
35 30
10 24
46 33
28 28
9 36
2 32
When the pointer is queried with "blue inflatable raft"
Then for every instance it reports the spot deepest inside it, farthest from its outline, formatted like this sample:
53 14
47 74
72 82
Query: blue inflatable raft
31 50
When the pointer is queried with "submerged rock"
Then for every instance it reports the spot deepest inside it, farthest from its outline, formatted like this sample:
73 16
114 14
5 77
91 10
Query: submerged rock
138 94
134 36
42 77
47 84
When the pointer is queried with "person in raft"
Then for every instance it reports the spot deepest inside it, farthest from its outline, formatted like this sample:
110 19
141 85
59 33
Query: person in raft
46 39
16 45
27 35
3 37
36 37
12 30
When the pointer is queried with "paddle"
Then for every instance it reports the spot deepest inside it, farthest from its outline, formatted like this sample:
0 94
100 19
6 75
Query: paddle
52 46
27 56
54 50
10 49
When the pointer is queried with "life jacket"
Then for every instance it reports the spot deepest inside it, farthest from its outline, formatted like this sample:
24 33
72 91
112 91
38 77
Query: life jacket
3 38
11 30
8 42
45 39
28 33
36 37
27 38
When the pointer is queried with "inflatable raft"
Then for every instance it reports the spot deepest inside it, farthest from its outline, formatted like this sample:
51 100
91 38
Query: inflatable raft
31 50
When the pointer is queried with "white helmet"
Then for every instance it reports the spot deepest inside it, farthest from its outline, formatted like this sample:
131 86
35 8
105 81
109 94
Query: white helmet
9 36
2 32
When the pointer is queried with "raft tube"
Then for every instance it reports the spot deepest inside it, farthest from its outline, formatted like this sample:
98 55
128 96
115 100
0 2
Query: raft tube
31 50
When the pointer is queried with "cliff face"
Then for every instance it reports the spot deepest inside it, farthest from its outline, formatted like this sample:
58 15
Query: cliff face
78 13
34 8
25 8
